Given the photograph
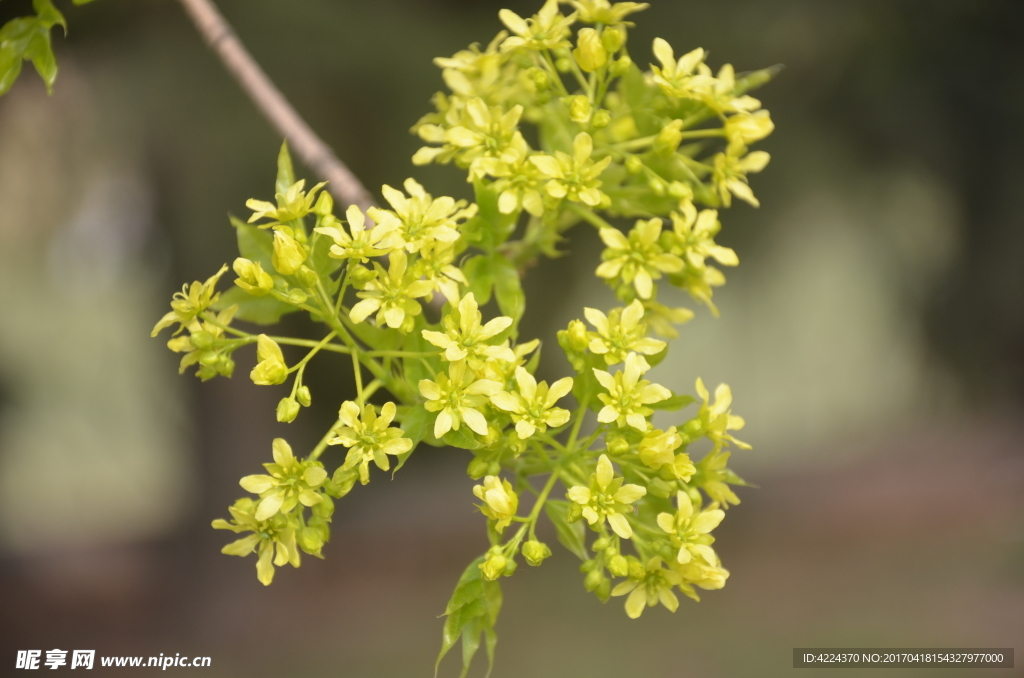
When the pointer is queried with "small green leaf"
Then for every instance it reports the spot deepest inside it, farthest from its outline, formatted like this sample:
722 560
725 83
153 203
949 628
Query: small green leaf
463 438
48 15
255 244
321 261
571 535
473 608
285 172
264 310
508 288
41 55
416 422
497 227
481 280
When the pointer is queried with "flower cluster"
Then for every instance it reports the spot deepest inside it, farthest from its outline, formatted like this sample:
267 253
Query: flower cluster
424 296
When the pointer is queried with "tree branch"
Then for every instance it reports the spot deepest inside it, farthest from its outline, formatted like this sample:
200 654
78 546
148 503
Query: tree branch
309 147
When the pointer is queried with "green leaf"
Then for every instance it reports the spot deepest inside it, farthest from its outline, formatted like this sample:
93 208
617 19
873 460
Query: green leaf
416 423
285 172
478 272
676 402
254 244
82 2
473 608
48 15
571 535
10 67
41 55
321 261
264 310
496 227
463 438
508 288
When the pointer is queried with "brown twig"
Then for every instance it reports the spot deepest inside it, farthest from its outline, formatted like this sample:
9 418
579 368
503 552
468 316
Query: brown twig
309 147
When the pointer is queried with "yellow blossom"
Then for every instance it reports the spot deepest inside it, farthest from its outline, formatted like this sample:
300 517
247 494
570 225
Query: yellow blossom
500 501
369 437
628 394
621 332
458 397
607 498
532 405
690 532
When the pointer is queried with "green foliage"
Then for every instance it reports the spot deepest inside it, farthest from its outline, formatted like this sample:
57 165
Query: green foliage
402 291
28 39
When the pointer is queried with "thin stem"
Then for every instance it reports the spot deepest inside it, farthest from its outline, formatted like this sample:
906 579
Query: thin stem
539 504
268 98
588 216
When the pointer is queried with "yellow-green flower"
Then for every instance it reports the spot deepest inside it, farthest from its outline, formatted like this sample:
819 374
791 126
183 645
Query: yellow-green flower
465 338
546 30
637 260
691 532
730 174
719 94
392 295
458 397
435 266
270 367
590 54
714 477
574 177
369 437
201 347
607 498
621 332
190 302
744 129
362 244
484 132
291 482
293 204
532 405
696 573
252 278
500 501
716 419
603 12
273 539
628 394
652 586
418 219
682 78
658 449
501 370
661 318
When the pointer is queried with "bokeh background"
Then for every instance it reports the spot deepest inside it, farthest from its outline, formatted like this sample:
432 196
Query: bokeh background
873 338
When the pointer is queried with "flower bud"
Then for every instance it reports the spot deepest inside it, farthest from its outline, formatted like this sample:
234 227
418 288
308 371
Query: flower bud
618 566
251 277
360 275
343 481
659 488
535 552
209 358
563 64
593 579
304 397
680 191
692 428
580 109
225 366
634 164
602 543
287 410
494 566
669 138
288 254
539 77
578 336
620 66
618 445
510 567
603 590
590 54
324 204
602 118
613 38
307 277
477 468
296 297
202 340
310 541
657 186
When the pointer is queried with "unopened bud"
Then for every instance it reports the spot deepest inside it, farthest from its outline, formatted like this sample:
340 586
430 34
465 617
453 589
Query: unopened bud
620 66
310 541
287 410
602 118
590 54
634 164
251 277
593 579
494 566
306 276
477 468
669 138
324 204
304 397
578 336
296 297
360 275
680 191
202 340
602 543
618 566
618 445
535 552
288 254
612 39
580 109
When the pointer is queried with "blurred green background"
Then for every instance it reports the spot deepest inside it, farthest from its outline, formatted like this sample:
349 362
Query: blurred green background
873 337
